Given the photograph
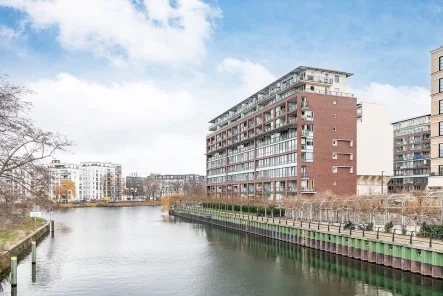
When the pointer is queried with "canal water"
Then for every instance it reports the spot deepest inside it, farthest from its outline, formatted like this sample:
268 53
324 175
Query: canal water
142 251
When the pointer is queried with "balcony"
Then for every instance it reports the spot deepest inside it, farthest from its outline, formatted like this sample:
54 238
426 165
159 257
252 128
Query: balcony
304 175
306 133
280 113
292 189
225 119
308 190
280 189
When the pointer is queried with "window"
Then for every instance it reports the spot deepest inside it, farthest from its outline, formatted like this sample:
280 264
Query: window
440 89
441 63
334 155
335 115
334 182
334 102
334 129
440 170
440 150
440 128
334 143
334 169
337 78
440 108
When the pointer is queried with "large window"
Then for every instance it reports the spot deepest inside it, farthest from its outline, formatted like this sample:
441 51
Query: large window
440 128
441 63
440 150
440 107
440 87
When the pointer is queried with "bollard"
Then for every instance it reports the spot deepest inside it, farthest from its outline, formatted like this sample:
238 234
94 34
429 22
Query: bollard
329 223
34 273
286 221
410 238
52 225
363 232
350 230
339 228
301 223
34 252
318 225
378 230
309 224
13 271
393 234
430 241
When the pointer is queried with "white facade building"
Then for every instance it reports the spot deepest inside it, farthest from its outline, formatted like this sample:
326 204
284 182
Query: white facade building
65 172
101 180
375 153
92 180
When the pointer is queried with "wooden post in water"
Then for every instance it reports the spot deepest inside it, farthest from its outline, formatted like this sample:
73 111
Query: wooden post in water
13 271
34 252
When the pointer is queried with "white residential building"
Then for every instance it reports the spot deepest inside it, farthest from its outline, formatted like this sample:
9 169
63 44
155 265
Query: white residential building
101 180
65 172
92 180
375 153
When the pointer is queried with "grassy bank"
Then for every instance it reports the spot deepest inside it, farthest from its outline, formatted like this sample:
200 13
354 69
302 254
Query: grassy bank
107 204
12 234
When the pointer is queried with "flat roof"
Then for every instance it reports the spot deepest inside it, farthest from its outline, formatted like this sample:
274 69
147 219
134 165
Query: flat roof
266 89
412 118
437 49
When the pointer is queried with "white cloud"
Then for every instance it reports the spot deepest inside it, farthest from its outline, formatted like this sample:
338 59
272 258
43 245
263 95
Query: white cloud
253 76
403 101
7 33
145 31
134 123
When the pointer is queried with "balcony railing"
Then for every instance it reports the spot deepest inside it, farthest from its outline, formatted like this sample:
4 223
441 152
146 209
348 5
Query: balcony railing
273 95
308 189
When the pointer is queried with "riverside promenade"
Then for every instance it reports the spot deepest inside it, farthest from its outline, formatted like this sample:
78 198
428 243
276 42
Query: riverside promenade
405 252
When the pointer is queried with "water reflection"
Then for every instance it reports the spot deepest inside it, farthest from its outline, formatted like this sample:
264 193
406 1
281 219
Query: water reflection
321 267
142 251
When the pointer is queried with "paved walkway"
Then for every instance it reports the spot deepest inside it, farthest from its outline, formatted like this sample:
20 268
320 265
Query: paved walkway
334 228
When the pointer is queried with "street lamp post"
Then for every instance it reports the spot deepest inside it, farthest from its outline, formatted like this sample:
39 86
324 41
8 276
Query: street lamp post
382 181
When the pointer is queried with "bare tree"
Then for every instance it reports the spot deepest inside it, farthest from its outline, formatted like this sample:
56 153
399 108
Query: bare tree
176 185
194 188
131 184
151 187
23 148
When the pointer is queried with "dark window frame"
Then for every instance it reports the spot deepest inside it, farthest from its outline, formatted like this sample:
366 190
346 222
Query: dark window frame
440 63
440 150
440 107
440 85
440 128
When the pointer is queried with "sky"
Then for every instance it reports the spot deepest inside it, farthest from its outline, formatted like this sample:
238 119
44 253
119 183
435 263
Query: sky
136 82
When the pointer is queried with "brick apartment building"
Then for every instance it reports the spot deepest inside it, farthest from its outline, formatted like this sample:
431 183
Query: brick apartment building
295 136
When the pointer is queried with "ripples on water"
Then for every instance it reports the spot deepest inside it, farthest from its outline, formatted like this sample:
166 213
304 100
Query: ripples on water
142 251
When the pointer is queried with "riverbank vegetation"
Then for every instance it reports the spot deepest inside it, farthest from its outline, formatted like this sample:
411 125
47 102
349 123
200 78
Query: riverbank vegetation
24 147
22 227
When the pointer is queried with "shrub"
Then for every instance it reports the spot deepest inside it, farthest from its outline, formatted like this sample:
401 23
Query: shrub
389 226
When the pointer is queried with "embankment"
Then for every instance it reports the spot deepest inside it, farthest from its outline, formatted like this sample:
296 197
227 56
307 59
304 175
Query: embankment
20 247
414 257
